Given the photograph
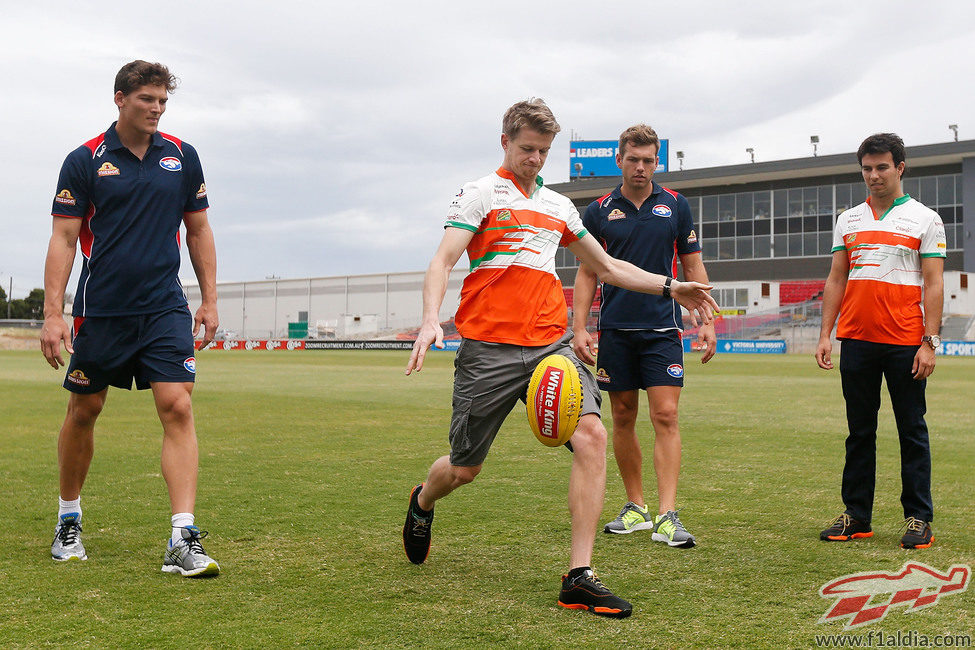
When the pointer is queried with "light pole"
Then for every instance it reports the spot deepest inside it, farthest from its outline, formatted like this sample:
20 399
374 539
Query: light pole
954 127
680 159
814 140
751 152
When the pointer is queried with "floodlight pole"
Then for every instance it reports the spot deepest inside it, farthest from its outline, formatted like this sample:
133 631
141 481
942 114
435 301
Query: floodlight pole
751 152
954 128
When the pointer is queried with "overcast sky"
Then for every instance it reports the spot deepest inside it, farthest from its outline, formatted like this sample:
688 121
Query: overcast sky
334 134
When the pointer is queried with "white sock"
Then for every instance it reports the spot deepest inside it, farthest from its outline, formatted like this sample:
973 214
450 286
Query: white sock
67 507
180 520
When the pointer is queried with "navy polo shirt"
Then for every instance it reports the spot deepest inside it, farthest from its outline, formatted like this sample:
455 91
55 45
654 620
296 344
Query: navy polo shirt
651 238
131 211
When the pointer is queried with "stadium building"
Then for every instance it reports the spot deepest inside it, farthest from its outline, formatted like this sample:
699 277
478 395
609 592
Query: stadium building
772 222
766 232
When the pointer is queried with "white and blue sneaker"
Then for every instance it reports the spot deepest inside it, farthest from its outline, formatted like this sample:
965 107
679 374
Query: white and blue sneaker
67 539
187 556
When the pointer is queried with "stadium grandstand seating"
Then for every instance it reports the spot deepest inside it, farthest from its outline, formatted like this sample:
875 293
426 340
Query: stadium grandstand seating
800 291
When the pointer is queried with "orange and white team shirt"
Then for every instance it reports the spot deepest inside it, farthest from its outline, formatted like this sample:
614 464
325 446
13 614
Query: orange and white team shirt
512 293
882 302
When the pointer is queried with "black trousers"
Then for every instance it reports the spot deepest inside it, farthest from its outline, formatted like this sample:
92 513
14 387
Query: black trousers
862 364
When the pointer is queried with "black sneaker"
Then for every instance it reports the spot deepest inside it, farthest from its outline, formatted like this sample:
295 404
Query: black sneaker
416 530
845 528
586 591
918 535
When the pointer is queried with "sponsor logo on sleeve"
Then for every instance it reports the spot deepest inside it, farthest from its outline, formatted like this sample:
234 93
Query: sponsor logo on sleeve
692 238
200 193
108 169
675 370
101 150
190 364
661 210
941 244
64 197
171 164
615 214
78 377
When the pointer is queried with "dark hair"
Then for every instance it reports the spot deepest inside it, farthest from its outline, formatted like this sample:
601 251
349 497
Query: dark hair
142 73
880 143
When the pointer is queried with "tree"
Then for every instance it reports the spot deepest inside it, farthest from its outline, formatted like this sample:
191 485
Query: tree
3 303
31 307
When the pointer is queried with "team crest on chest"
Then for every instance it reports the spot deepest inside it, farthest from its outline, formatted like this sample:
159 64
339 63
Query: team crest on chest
504 215
661 210
171 164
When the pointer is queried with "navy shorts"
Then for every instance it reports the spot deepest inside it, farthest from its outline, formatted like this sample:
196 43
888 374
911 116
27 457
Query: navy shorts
114 350
635 359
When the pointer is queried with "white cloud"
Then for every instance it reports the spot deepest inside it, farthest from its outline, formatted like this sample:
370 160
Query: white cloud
333 134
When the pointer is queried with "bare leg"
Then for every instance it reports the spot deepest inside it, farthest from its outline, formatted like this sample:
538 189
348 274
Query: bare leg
626 443
76 442
666 443
443 479
587 487
180 456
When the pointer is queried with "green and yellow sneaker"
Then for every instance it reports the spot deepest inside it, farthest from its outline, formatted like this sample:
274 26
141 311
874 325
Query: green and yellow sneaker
668 528
631 518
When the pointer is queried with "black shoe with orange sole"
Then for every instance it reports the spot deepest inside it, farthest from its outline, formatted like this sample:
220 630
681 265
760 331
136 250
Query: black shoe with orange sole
416 530
846 528
918 535
586 591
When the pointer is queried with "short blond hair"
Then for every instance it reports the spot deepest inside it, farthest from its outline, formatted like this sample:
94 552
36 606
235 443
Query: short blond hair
532 113
639 135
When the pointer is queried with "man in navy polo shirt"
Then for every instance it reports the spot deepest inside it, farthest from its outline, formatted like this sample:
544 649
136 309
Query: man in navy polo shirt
640 335
123 196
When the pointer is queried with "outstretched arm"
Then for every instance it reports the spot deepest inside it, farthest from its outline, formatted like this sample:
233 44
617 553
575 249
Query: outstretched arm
693 296
451 247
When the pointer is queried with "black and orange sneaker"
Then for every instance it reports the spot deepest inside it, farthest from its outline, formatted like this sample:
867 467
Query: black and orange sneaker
416 530
918 535
586 591
845 528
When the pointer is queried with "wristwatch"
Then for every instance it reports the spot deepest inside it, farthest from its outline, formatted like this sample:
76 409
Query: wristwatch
666 290
933 340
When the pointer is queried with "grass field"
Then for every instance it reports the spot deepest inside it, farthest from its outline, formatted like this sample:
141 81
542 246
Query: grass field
306 464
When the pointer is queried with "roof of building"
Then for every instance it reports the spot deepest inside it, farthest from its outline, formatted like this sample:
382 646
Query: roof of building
927 155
